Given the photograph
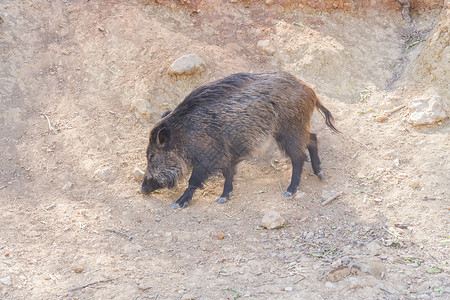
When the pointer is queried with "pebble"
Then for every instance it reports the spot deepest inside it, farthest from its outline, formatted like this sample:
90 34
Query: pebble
427 111
187 65
144 285
273 220
6 281
327 194
141 107
288 289
309 235
138 174
105 174
371 266
266 46
300 195
68 185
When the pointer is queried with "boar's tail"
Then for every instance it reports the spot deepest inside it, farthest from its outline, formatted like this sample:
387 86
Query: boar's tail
327 114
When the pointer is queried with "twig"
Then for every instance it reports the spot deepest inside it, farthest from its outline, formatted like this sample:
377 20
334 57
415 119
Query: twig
276 172
46 209
303 277
390 232
367 147
114 72
50 127
156 296
120 232
92 283
2 187
390 112
332 198
386 291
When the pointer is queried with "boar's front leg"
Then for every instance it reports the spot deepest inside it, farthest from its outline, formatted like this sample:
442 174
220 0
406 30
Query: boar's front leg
195 182
228 185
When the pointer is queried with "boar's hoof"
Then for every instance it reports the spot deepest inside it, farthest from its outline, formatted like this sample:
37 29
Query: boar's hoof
221 200
176 205
320 175
287 194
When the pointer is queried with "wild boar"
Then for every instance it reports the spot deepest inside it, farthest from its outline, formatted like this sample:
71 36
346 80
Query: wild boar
221 123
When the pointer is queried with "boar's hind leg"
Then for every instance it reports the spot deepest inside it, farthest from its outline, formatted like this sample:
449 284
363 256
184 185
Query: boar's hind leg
314 154
228 185
288 143
195 182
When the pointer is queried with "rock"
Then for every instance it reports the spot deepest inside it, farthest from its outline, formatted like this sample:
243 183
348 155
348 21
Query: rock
370 266
266 46
187 65
138 174
141 107
374 248
6 281
144 285
288 289
67 185
427 111
309 235
300 195
273 220
327 194
105 174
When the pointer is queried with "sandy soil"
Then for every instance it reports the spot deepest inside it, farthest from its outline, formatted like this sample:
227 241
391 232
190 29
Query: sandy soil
68 74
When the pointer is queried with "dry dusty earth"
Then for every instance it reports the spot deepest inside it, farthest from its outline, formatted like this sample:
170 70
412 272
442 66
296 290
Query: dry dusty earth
69 71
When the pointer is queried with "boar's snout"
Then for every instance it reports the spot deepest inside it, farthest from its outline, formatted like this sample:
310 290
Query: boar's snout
149 185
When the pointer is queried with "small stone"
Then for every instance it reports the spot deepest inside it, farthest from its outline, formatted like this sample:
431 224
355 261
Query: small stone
78 270
138 174
220 236
143 286
68 185
187 65
309 235
327 194
374 248
187 297
288 289
266 46
269 2
371 266
273 220
6 281
300 195
141 107
105 174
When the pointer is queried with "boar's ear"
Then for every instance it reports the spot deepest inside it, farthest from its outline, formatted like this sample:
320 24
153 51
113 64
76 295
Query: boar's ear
163 137
166 113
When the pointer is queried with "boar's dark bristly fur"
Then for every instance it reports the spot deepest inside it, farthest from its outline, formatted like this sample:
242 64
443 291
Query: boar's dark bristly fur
219 124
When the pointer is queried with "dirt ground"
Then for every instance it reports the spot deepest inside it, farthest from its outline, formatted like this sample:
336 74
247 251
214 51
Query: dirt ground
69 72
